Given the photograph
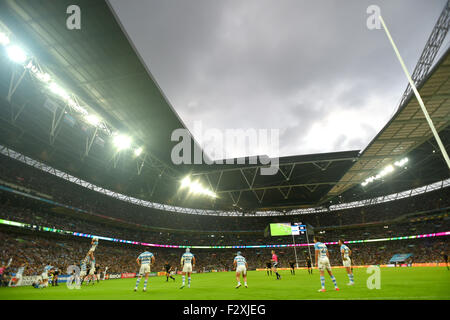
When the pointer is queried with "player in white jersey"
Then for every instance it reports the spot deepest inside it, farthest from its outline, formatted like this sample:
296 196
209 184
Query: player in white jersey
91 274
145 260
346 254
187 263
241 267
323 262
43 282
94 244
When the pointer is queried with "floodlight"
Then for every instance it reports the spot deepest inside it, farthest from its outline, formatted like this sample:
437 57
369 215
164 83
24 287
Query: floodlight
195 187
4 39
93 119
56 89
185 182
122 142
138 151
16 54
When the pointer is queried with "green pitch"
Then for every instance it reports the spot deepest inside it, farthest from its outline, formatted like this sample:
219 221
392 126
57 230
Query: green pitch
396 283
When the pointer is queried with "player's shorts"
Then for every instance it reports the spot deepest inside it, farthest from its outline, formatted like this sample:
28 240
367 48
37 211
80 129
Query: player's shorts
274 264
347 262
92 271
145 268
187 267
241 269
44 276
324 263
82 274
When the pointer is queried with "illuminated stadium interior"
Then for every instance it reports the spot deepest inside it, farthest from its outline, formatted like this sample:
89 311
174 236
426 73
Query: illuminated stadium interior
84 152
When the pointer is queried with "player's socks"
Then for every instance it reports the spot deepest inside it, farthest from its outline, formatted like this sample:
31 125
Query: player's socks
145 285
238 285
350 277
334 281
189 282
137 282
322 282
184 280
245 284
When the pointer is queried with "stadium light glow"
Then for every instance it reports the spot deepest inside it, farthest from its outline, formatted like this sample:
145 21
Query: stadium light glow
386 170
122 142
196 188
16 54
31 64
4 39
138 151
56 89
93 119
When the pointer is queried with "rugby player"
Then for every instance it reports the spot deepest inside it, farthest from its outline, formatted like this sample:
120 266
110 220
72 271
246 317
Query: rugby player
346 254
323 262
241 266
187 263
144 260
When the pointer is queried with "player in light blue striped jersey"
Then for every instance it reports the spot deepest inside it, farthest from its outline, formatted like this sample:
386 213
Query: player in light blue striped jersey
187 263
323 262
346 254
241 267
144 260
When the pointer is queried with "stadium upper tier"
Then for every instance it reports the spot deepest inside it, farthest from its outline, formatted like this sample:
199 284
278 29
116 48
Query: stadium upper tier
80 91
90 204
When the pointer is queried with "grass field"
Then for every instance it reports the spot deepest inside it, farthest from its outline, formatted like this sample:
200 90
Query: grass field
396 283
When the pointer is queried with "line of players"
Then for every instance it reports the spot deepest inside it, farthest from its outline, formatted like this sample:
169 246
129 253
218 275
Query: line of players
146 259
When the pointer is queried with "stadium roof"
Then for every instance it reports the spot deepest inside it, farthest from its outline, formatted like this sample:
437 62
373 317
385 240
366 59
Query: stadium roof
101 67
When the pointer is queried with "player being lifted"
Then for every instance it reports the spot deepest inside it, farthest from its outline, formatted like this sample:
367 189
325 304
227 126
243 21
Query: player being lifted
187 262
144 260
275 264
241 268
346 254
323 262
94 244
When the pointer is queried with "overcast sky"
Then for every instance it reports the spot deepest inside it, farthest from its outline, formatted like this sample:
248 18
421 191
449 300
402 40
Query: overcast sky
310 69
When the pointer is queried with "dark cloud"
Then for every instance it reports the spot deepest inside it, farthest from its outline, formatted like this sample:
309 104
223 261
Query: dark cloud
311 69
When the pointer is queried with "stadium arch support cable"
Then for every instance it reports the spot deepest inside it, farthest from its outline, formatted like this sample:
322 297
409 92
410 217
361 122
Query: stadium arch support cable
87 235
